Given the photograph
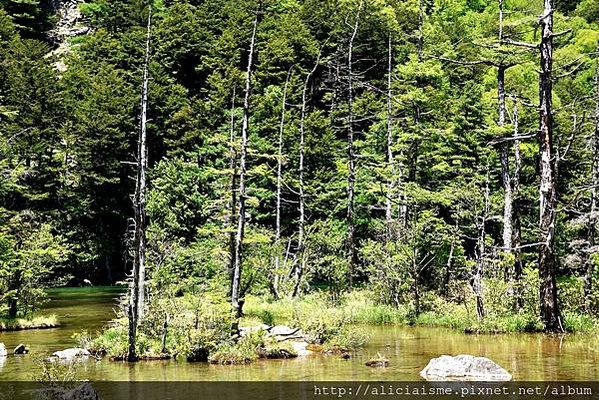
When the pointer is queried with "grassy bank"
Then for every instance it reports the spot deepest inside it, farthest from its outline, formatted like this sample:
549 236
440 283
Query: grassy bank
358 308
20 324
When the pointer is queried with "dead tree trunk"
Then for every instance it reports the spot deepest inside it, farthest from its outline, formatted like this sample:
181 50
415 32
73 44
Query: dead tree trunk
508 197
136 299
480 253
390 158
232 206
299 269
517 231
351 178
275 277
237 268
594 210
548 195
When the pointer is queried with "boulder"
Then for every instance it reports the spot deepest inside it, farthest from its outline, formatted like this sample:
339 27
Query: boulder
464 368
21 349
3 352
71 354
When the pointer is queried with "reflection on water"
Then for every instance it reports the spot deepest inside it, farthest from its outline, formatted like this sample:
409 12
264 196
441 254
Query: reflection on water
527 357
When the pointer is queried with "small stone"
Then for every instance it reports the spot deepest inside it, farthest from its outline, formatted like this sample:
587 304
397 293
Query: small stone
21 349
377 363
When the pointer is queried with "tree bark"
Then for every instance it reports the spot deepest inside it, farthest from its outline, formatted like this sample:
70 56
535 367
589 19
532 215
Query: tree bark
275 277
480 254
517 232
390 157
137 297
351 178
594 210
232 190
299 270
550 314
235 289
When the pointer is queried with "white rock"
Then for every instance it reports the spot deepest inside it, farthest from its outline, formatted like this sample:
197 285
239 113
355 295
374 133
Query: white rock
464 368
71 354
301 348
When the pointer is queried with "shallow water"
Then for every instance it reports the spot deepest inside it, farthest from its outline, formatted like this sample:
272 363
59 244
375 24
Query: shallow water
526 356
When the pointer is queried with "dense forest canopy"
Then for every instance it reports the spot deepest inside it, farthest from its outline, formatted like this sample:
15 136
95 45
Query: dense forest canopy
393 144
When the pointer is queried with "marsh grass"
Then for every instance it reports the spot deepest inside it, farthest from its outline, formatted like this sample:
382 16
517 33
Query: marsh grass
36 322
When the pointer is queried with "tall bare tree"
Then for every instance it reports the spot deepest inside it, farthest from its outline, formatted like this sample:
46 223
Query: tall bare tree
299 269
137 298
242 192
351 154
548 193
593 220
277 243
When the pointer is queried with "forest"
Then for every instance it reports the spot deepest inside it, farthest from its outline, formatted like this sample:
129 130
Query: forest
418 162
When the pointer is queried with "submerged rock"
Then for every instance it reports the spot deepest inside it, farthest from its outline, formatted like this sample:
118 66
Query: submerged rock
464 367
21 349
71 354
3 352
82 392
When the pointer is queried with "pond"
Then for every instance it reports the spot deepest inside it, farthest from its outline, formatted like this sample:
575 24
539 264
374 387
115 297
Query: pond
526 356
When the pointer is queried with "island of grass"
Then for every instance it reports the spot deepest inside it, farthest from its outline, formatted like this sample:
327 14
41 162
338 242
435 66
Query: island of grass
35 322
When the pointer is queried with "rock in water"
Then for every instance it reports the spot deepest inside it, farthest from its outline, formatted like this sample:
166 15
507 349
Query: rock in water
3 352
464 368
71 354
82 392
21 349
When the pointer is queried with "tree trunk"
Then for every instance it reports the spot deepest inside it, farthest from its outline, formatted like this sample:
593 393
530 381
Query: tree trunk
480 254
275 277
351 178
137 297
13 302
594 210
550 314
235 303
505 174
299 270
517 232
232 190
390 158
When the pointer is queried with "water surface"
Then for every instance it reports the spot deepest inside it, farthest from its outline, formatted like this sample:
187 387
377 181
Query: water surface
526 356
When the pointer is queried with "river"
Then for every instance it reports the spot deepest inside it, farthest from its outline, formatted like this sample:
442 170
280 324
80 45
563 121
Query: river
526 356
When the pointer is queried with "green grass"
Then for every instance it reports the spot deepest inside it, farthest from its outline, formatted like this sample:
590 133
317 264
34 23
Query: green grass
35 322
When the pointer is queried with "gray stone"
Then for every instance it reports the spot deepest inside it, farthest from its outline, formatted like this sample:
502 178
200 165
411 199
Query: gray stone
84 391
464 368
21 349
71 354
3 352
